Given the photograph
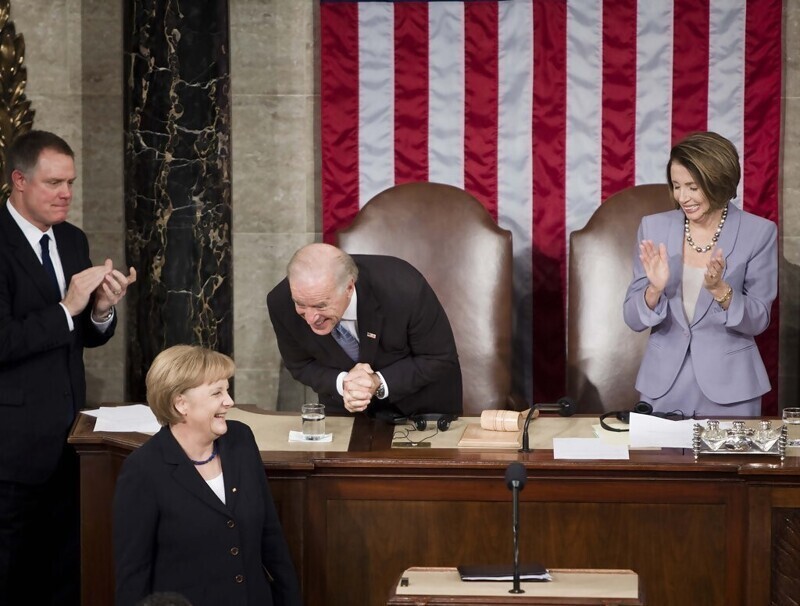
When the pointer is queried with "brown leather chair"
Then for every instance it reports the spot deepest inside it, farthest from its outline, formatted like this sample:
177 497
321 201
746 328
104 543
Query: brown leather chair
603 354
453 241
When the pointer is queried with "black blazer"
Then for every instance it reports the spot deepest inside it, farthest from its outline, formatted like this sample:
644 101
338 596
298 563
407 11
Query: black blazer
42 381
172 533
403 332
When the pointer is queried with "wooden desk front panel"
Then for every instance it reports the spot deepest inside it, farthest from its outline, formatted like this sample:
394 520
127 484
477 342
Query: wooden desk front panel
711 532
671 533
99 470
774 546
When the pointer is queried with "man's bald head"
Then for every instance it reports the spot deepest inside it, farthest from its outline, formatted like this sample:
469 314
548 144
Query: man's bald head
322 281
322 262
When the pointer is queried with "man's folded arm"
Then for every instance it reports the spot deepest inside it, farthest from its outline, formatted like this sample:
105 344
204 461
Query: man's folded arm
432 349
303 367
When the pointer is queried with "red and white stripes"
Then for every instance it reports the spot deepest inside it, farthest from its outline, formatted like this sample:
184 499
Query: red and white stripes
541 109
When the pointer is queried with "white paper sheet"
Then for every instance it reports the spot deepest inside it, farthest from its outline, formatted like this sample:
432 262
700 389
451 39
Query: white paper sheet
588 449
134 417
620 438
297 436
649 430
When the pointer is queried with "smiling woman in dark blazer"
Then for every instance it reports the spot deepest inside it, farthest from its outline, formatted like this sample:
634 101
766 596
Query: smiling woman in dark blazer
193 513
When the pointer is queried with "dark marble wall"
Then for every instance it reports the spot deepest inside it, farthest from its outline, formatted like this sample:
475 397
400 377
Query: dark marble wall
177 179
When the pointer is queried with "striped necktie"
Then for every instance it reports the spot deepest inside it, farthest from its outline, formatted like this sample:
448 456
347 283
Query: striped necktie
346 341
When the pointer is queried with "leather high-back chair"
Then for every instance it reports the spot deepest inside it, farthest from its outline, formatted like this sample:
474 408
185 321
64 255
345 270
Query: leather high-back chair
453 241
603 354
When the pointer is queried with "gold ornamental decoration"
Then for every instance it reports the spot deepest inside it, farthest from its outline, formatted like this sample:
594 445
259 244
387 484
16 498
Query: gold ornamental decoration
16 115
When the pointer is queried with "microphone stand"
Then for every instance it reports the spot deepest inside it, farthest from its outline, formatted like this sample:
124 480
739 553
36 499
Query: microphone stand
526 443
515 530
565 408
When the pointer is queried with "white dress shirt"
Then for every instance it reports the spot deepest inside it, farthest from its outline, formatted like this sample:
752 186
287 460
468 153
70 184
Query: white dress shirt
349 320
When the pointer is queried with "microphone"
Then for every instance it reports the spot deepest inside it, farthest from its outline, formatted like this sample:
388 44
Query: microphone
565 407
516 476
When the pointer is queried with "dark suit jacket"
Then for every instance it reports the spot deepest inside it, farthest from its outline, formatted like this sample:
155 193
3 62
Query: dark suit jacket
725 357
172 533
42 381
403 332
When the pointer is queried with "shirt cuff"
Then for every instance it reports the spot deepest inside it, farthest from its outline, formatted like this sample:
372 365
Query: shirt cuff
385 386
652 317
70 323
340 383
103 326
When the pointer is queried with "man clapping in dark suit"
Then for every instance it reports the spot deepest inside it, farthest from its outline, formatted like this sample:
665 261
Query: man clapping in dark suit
365 332
53 303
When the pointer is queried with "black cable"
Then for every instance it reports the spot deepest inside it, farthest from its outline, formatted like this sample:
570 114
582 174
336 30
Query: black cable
624 416
403 433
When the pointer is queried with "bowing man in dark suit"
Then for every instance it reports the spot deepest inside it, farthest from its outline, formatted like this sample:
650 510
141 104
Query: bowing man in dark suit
53 303
193 513
365 331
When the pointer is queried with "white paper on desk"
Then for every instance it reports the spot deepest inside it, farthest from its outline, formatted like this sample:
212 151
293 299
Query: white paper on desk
588 449
620 438
135 417
298 436
649 430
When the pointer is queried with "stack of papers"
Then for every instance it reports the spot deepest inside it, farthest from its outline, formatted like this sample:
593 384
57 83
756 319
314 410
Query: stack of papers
588 449
135 417
649 430
644 431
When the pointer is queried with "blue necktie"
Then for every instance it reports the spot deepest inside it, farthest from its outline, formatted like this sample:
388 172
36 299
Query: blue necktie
346 341
48 264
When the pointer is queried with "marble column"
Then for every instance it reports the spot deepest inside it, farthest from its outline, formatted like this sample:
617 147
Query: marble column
177 179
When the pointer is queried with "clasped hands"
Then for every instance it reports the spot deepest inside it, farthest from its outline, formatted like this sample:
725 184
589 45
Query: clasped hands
656 266
108 285
359 386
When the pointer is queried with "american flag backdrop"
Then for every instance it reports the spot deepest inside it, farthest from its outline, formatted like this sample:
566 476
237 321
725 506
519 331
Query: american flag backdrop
542 109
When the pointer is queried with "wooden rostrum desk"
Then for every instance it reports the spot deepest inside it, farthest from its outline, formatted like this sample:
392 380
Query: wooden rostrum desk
421 586
721 531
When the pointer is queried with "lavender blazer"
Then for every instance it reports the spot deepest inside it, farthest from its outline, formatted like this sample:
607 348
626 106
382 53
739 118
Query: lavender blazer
725 358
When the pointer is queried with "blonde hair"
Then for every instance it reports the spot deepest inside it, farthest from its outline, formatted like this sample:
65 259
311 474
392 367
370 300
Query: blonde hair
177 369
713 162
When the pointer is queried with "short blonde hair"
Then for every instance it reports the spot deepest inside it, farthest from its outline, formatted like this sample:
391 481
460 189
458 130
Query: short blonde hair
179 368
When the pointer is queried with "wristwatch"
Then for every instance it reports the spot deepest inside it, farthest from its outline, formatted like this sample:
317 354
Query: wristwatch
381 391
104 318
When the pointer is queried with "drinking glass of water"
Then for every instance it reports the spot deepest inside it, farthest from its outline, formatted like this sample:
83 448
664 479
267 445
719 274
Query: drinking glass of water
791 418
314 421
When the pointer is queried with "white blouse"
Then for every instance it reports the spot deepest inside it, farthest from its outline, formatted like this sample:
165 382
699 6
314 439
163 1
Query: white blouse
692 283
218 486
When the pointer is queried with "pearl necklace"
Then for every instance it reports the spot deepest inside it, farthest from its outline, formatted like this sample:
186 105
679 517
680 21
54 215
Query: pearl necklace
214 452
707 247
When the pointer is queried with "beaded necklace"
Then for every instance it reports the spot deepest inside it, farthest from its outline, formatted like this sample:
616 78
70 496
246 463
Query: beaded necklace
214 452
707 247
